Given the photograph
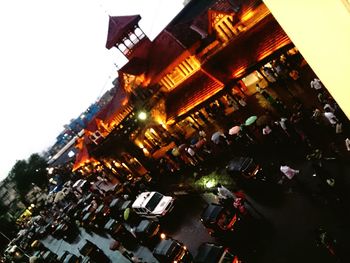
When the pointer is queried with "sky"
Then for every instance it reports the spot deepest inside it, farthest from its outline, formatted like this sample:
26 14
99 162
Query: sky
54 64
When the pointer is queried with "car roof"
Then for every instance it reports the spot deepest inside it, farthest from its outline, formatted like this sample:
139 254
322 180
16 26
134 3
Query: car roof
143 198
165 246
209 253
143 225
238 164
211 212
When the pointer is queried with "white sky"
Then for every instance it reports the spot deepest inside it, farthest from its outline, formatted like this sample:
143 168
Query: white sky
54 64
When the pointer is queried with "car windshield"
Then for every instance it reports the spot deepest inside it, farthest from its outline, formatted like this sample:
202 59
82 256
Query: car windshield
154 201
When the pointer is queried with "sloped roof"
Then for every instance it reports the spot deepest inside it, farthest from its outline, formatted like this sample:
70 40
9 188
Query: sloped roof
165 50
183 33
118 27
248 49
191 93
110 110
136 66
82 156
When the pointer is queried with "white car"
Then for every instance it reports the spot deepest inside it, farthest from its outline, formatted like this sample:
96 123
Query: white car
153 204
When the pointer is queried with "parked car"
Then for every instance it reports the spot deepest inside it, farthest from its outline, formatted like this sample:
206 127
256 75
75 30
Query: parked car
94 252
117 207
212 253
219 219
170 250
153 205
49 257
68 257
244 166
147 231
88 220
67 231
118 231
102 214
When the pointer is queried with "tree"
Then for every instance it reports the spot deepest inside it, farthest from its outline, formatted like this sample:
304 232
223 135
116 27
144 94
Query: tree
27 172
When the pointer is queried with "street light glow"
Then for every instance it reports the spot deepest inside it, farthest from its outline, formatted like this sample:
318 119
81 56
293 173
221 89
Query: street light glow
210 183
142 115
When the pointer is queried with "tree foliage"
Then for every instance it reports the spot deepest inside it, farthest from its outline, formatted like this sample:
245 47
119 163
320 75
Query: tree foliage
27 172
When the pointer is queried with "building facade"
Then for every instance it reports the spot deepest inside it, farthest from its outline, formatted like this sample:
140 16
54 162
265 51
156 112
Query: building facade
212 54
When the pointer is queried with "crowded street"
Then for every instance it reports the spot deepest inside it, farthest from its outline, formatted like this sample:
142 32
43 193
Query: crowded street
237 154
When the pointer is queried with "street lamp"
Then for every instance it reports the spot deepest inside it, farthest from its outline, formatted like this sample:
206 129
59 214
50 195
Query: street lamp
142 115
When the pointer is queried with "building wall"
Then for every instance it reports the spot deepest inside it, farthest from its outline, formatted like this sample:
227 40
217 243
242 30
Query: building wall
321 31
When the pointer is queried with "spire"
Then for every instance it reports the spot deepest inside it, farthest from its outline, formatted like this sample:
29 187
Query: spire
119 27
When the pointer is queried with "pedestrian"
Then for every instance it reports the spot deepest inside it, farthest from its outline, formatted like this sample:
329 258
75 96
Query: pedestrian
347 144
330 117
316 84
223 192
288 171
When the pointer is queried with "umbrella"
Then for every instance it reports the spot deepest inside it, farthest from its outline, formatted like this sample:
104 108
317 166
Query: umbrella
250 120
216 137
126 214
175 151
262 120
234 130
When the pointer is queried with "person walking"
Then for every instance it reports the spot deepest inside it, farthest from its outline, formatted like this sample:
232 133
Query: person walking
316 84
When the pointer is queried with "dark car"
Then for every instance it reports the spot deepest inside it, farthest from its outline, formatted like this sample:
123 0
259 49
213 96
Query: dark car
118 231
212 253
49 257
244 166
89 249
219 219
102 213
170 250
67 231
88 220
67 257
147 231
117 207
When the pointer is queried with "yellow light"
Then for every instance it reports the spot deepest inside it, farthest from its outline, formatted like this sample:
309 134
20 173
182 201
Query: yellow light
142 115
162 236
210 183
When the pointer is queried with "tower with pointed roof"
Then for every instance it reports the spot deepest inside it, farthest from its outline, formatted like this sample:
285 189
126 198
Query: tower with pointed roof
125 34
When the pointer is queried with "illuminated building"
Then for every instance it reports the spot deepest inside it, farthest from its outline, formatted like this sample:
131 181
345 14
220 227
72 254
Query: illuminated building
212 52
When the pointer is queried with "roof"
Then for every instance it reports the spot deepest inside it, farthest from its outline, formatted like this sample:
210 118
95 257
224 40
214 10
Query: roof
118 27
211 213
143 226
136 66
185 34
109 111
81 157
191 93
142 198
209 253
247 49
166 247
164 51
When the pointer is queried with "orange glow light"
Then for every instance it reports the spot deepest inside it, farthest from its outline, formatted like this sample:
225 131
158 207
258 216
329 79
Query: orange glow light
239 71
247 16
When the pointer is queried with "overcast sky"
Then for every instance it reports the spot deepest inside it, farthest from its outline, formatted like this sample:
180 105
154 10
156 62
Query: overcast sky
54 64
